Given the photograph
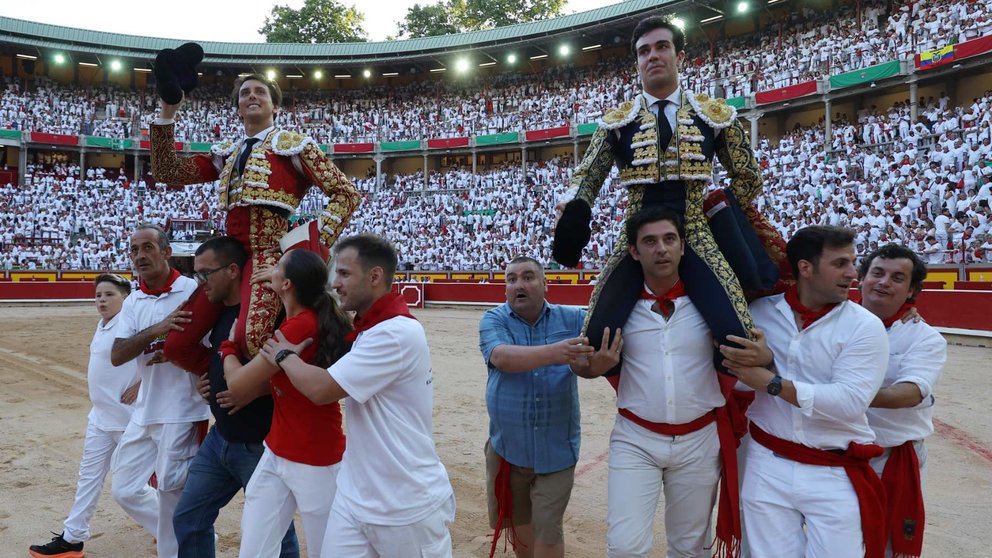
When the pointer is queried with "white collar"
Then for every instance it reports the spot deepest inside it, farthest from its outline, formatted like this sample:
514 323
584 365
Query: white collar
261 135
675 98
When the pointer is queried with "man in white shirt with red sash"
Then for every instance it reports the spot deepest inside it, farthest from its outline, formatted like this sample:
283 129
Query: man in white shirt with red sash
902 412
394 498
169 416
673 429
808 488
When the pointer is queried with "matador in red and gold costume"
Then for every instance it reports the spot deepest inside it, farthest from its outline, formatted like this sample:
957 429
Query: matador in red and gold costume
262 180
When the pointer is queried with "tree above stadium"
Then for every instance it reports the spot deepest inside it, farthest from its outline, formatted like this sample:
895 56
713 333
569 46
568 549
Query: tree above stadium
318 21
448 17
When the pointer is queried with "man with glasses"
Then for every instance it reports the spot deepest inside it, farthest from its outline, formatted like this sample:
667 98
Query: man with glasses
164 432
231 450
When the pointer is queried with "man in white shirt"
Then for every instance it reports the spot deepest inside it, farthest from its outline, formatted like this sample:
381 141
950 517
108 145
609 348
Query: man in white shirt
394 497
901 414
808 420
164 434
670 409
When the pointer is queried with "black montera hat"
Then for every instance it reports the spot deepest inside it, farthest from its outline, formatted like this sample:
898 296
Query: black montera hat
175 71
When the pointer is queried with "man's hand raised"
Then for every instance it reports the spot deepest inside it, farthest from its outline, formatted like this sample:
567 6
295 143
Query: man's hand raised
570 351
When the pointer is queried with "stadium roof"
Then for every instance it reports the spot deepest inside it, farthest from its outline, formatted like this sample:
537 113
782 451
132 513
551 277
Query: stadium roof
604 23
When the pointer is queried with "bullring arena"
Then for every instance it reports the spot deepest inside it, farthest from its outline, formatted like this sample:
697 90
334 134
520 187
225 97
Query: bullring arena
43 417
869 114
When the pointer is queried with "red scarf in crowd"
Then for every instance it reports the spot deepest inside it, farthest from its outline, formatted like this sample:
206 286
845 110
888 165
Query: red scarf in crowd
899 314
906 516
856 463
387 306
805 314
167 287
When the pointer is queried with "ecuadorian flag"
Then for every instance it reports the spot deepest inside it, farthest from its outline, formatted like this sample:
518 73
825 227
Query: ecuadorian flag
933 58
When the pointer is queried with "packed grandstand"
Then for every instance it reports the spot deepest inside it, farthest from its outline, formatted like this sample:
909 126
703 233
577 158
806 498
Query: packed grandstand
463 172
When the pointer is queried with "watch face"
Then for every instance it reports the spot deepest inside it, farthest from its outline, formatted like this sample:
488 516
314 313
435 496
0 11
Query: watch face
775 387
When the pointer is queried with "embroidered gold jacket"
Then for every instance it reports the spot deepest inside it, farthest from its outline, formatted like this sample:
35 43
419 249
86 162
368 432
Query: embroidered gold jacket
628 137
271 178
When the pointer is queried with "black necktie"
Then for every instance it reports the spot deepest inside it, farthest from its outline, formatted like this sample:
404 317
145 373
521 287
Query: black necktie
664 128
249 143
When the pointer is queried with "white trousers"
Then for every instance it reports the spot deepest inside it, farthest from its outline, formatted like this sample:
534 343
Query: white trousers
93 467
163 449
794 510
277 489
641 463
427 538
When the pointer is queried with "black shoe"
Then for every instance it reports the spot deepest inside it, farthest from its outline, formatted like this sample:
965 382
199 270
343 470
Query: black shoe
57 547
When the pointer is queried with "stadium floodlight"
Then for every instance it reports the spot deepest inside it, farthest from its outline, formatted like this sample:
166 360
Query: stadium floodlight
26 57
462 65
511 58
539 57
115 65
342 76
59 58
742 7
678 22
367 73
564 50
487 64
271 74
318 75
390 74
592 47
711 19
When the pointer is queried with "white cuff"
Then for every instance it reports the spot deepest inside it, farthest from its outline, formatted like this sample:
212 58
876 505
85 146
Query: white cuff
804 396
159 121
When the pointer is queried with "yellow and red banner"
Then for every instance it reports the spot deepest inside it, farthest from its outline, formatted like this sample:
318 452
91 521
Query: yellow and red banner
929 59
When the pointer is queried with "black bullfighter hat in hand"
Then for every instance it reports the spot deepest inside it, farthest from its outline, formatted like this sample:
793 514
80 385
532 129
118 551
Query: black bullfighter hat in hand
175 71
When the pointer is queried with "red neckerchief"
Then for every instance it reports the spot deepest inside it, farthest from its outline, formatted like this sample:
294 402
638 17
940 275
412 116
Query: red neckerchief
173 275
906 516
387 306
899 314
666 302
805 314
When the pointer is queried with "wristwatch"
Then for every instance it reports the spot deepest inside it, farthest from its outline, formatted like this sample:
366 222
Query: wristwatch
774 387
283 355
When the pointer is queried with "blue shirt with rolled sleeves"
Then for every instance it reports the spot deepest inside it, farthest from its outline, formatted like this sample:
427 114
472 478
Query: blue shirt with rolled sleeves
534 415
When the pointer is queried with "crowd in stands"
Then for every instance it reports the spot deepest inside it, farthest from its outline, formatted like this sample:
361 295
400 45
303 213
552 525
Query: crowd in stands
927 187
801 45
924 184
808 44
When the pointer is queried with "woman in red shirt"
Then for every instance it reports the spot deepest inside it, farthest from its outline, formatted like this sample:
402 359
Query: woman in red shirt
303 449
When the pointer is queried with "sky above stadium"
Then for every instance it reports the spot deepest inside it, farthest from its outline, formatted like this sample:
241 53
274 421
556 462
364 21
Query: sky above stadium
228 21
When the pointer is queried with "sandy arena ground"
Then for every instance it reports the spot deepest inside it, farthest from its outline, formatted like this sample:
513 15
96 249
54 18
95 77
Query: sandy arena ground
43 356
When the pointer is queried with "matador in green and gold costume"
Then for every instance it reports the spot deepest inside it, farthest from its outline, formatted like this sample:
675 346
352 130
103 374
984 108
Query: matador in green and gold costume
728 246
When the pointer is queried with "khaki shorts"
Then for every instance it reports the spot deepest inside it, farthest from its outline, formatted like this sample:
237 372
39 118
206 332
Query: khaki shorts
539 500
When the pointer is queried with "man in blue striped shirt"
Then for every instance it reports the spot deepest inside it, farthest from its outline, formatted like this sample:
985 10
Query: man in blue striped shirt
533 404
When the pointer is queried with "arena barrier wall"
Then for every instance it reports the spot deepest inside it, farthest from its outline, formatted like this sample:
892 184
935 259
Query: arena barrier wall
971 310
959 309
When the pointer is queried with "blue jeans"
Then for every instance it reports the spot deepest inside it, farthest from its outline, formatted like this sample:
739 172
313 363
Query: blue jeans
217 473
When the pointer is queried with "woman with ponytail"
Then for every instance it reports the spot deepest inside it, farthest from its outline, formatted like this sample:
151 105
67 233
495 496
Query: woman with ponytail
303 450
